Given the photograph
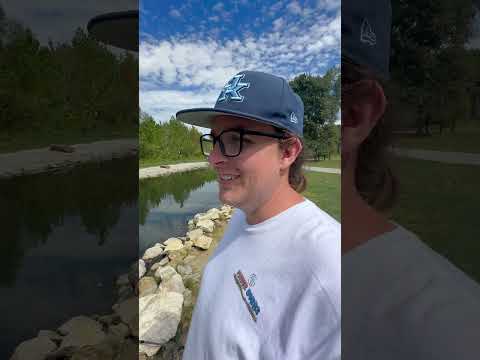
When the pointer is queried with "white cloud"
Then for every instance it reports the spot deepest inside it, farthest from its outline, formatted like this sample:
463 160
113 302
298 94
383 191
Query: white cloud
218 7
278 24
174 13
294 7
329 4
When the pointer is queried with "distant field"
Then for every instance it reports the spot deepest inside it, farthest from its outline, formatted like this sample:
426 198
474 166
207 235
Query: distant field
463 140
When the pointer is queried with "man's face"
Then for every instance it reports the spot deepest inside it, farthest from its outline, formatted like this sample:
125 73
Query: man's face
248 180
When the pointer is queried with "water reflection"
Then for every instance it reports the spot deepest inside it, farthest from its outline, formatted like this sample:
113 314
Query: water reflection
166 204
65 238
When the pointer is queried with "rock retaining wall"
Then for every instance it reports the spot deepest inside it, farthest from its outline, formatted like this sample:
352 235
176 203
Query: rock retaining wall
154 305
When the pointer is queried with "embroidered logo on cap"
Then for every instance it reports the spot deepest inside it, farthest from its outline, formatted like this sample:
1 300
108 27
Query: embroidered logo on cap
293 118
231 91
367 35
247 295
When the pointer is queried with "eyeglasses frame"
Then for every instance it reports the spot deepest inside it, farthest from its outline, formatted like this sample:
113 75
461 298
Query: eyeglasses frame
242 132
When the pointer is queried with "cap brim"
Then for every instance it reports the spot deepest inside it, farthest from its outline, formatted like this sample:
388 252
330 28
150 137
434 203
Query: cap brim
203 116
119 29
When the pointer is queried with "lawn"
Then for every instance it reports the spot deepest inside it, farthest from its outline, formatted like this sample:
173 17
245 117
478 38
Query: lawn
463 140
324 190
439 202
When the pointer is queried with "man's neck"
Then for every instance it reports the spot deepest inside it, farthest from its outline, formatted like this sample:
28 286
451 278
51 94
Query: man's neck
360 222
282 199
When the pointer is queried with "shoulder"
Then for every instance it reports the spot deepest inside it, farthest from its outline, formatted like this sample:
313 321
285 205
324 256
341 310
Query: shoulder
320 238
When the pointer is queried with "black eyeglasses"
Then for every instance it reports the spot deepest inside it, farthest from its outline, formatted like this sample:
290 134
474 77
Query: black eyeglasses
231 141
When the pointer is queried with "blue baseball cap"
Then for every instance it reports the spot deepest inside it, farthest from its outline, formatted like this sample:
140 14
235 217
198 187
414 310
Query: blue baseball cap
366 30
253 95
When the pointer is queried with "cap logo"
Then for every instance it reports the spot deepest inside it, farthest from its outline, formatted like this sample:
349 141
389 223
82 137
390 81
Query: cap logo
366 33
231 91
293 118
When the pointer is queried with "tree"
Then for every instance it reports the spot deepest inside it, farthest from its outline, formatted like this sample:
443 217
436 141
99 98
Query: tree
321 99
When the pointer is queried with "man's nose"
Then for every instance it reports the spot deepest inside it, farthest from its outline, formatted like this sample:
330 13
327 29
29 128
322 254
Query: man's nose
216 155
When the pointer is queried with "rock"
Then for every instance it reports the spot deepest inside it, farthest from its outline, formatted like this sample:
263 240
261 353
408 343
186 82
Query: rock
203 242
189 258
213 214
128 312
109 319
125 292
62 148
187 298
198 217
178 255
52 335
164 261
188 244
160 315
174 284
34 349
183 238
123 279
120 330
148 350
184 269
142 355
147 286
129 351
153 252
173 244
164 273
155 266
194 234
80 331
206 225
142 269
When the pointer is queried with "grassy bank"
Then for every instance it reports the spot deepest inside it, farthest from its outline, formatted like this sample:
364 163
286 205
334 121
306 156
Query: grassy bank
324 190
333 162
439 203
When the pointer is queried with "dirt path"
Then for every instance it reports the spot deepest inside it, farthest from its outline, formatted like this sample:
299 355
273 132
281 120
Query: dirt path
36 161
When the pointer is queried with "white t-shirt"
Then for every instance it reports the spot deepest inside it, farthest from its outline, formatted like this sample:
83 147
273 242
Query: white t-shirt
402 300
271 291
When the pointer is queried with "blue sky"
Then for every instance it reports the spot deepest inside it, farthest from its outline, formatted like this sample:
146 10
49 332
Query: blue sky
190 49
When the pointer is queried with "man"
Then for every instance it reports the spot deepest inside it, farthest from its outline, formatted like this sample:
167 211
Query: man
271 290
401 300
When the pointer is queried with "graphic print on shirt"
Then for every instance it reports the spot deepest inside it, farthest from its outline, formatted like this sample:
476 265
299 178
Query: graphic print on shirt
247 295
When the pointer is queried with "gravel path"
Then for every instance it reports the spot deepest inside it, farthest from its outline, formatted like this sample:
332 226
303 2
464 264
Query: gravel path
45 160
440 156
163 170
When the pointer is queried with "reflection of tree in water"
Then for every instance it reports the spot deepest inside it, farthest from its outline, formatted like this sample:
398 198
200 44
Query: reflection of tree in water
32 206
180 185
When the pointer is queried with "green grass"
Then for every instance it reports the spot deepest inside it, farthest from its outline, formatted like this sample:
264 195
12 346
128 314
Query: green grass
463 140
333 162
324 190
439 202
159 161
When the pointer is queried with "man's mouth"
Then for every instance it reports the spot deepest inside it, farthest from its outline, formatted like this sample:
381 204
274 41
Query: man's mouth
227 178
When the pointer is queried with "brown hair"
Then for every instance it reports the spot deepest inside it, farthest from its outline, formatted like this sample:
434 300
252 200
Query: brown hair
296 177
374 177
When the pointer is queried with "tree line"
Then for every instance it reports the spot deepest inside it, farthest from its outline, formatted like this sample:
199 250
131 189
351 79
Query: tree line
63 92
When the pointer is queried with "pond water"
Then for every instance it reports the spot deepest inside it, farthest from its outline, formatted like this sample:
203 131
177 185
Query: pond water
167 203
65 239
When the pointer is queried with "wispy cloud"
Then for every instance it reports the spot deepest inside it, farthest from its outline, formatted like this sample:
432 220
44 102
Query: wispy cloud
174 13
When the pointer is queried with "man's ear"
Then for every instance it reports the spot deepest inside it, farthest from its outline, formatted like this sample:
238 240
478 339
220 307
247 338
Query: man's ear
290 151
362 107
